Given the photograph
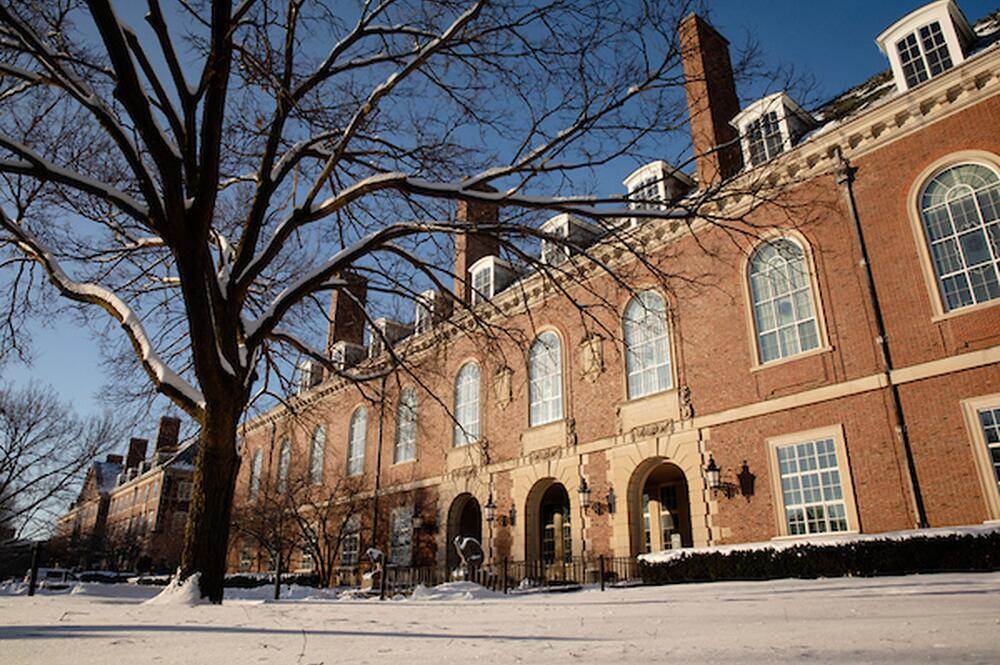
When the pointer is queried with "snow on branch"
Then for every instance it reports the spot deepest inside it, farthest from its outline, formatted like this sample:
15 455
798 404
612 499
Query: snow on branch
165 379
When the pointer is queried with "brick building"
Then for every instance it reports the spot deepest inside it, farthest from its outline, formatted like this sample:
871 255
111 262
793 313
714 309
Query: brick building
132 512
839 374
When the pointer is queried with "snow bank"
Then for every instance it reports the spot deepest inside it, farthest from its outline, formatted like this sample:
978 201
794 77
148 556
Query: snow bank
179 592
454 591
828 539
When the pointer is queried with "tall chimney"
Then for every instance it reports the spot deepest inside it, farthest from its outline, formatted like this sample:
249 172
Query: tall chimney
166 437
712 100
114 459
136 453
347 312
470 246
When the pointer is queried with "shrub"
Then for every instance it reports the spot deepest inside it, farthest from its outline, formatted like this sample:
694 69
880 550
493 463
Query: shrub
862 558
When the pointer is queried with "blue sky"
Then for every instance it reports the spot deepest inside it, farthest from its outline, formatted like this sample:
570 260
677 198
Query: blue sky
831 41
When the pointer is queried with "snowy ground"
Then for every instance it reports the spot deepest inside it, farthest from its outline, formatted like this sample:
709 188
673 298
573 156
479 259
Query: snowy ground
948 618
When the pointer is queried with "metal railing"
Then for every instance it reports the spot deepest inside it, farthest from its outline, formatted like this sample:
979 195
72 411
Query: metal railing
506 576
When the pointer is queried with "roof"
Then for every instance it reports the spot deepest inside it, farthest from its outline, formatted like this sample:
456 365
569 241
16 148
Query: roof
106 475
881 86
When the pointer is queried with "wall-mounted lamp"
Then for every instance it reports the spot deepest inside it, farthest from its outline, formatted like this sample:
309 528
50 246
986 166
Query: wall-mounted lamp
491 509
598 506
745 480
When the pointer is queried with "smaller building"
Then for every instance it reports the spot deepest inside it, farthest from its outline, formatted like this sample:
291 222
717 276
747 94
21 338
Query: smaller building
131 514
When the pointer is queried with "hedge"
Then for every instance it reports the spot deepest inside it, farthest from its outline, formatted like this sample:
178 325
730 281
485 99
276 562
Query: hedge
862 558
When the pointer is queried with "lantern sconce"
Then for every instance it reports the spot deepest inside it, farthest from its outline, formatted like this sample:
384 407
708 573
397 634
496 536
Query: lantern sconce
744 486
599 507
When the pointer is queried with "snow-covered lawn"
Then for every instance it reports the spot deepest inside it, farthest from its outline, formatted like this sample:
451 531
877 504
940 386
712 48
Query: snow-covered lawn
948 618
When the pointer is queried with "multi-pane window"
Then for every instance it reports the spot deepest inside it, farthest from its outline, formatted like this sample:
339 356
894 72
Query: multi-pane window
401 536
923 54
466 405
545 379
351 547
784 313
356 441
811 488
317 451
555 253
647 347
989 419
406 426
646 195
764 138
482 285
255 467
184 489
960 209
284 460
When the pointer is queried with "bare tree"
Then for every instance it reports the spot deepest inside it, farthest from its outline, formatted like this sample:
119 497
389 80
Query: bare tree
206 182
44 448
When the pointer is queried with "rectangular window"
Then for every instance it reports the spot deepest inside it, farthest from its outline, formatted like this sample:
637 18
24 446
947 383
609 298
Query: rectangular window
400 545
811 488
351 546
184 491
482 286
989 420
764 138
923 54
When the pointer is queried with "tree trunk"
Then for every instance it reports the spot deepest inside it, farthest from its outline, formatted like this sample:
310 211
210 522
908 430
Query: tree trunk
207 536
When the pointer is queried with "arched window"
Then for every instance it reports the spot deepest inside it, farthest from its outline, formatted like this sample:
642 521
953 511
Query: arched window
545 379
466 404
647 346
284 459
255 468
316 455
783 310
960 211
356 441
406 426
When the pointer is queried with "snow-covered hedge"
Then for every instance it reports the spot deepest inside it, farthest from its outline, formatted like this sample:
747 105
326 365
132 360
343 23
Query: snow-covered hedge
859 557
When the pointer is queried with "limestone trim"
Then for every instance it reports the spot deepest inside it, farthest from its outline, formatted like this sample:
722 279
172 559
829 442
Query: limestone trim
835 432
980 453
984 157
817 297
542 437
655 408
958 363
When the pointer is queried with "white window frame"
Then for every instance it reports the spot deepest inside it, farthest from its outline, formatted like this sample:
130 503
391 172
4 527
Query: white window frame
981 450
834 444
256 466
405 449
466 404
763 298
545 379
955 30
401 536
317 454
649 346
939 233
357 435
284 462
350 548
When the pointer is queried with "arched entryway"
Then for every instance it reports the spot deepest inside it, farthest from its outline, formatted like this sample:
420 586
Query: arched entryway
464 519
548 528
659 507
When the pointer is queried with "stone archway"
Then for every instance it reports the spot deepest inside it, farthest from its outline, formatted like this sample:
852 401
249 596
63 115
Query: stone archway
659 507
465 518
548 529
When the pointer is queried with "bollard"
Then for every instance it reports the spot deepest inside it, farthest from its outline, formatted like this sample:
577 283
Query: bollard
383 581
277 577
505 574
33 577
602 571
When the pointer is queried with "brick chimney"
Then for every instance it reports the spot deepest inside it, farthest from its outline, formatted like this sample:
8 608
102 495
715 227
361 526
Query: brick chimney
136 453
166 437
470 247
113 459
712 100
347 312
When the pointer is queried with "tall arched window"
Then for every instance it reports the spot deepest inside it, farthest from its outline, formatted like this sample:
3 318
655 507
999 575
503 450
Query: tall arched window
783 309
255 468
356 441
960 211
647 345
284 459
316 455
406 426
545 379
466 404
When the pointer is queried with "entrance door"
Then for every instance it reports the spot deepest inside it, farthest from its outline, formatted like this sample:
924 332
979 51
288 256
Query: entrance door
464 519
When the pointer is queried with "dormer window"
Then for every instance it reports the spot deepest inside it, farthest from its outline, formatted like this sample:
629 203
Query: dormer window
926 42
385 330
310 375
431 307
345 355
574 230
489 275
770 126
655 186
